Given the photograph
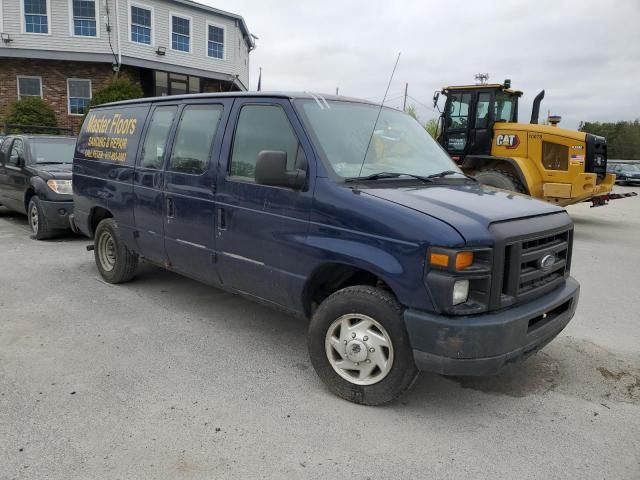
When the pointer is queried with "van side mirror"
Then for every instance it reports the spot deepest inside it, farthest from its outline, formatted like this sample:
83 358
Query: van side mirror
271 169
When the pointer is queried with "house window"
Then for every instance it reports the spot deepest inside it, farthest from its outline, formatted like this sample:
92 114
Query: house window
215 43
84 18
29 87
79 95
36 19
175 84
140 25
180 34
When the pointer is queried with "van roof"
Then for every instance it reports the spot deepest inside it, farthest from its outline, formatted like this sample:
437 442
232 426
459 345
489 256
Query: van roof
290 95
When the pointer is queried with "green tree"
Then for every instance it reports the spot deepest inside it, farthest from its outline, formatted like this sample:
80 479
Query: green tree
120 88
431 126
623 137
411 110
31 111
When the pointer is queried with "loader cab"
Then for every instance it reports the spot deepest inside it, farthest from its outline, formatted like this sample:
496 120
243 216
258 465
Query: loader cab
469 114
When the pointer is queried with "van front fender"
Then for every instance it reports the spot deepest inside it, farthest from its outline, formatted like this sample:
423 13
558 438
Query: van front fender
400 265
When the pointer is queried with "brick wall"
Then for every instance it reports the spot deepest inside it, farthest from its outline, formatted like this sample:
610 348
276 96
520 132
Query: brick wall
54 76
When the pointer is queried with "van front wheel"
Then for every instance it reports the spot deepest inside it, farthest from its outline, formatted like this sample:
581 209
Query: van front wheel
115 263
359 346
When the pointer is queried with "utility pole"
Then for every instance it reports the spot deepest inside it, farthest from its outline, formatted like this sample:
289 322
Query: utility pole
404 105
337 91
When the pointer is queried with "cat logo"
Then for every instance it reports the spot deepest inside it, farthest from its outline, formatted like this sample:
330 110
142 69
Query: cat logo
508 141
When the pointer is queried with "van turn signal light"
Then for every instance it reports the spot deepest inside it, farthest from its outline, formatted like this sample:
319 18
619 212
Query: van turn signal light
464 260
439 260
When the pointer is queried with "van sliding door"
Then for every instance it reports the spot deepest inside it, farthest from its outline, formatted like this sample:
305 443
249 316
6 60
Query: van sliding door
190 181
148 184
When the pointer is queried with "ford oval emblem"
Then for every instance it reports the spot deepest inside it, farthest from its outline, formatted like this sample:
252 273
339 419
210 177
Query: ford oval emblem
547 262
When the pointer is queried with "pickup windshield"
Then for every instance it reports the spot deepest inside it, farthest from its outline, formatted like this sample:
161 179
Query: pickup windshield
399 145
52 150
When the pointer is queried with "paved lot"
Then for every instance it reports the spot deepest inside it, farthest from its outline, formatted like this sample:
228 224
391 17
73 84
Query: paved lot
164 378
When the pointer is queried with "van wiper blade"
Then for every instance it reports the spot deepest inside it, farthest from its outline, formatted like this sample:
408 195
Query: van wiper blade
446 173
385 175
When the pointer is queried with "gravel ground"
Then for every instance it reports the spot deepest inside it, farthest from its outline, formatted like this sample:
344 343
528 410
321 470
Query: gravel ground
165 378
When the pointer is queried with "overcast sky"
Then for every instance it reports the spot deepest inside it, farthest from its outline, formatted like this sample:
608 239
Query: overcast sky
584 53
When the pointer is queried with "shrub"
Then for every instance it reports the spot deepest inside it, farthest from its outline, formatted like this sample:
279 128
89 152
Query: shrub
118 89
31 111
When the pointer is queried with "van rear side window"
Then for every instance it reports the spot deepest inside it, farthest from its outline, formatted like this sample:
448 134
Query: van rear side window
156 140
192 145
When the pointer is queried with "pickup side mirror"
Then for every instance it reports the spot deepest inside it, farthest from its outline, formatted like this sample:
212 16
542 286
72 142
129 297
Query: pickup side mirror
17 160
271 169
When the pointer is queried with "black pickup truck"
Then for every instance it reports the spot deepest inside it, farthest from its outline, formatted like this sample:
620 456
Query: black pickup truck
35 179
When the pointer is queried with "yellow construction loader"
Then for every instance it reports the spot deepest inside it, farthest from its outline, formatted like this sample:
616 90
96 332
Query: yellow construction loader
479 129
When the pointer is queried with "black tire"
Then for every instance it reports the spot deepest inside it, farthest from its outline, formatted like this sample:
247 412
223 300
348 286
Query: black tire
500 178
37 220
115 263
381 306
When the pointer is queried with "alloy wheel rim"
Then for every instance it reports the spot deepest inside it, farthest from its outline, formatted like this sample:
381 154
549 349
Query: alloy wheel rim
107 251
359 349
33 218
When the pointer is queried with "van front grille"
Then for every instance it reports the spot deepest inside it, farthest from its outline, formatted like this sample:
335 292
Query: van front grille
533 265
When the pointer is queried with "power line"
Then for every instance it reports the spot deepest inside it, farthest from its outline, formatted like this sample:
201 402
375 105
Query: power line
420 103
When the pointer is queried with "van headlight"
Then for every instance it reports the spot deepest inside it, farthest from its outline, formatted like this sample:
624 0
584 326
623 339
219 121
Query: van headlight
62 187
460 292
459 279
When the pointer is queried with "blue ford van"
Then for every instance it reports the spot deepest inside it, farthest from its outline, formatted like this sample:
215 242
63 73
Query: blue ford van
336 210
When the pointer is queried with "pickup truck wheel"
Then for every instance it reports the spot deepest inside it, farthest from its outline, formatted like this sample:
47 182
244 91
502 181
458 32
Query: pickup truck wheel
359 346
115 263
500 179
37 220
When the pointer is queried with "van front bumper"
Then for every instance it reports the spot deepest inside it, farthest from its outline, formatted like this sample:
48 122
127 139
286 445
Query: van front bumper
57 213
483 344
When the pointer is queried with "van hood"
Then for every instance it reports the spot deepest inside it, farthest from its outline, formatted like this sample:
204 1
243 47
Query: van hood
466 207
48 171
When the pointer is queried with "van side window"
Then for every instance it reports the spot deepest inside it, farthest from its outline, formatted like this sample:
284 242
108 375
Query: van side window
261 127
192 146
156 139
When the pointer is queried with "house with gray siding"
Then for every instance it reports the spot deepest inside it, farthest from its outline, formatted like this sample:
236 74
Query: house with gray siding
63 50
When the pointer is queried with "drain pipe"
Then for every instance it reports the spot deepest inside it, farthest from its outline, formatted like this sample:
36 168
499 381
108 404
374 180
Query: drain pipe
118 31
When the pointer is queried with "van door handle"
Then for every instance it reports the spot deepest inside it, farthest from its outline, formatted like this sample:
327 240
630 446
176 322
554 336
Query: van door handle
170 209
222 219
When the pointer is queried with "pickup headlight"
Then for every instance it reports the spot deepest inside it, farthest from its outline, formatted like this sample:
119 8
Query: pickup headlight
459 279
62 187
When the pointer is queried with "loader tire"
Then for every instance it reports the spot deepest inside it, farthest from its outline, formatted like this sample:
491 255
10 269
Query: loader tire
496 177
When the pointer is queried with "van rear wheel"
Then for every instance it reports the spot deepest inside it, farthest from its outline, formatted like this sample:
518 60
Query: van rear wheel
359 346
115 263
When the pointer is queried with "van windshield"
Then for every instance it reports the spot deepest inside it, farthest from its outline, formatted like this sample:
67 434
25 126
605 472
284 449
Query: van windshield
52 150
400 145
